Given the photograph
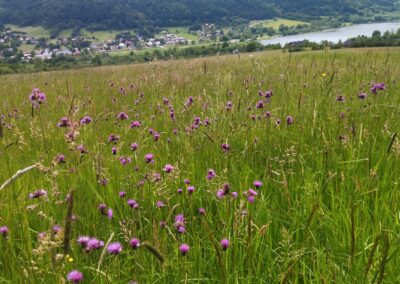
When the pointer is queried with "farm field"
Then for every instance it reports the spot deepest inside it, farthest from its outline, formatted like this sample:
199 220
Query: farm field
263 168
38 31
182 32
276 23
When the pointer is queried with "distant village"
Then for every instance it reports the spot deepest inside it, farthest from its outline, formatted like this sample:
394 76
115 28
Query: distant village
44 49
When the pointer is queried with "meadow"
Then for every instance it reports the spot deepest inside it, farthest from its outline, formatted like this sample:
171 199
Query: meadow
276 23
263 168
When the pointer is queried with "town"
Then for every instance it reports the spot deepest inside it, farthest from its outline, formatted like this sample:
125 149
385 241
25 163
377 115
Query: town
12 41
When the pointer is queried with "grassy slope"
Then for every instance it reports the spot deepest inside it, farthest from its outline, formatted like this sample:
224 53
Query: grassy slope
324 200
277 22
182 32
37 32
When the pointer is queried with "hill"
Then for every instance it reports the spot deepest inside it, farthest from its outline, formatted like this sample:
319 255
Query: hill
147 14
270 168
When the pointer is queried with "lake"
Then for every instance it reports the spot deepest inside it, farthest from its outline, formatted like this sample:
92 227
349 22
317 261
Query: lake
334 35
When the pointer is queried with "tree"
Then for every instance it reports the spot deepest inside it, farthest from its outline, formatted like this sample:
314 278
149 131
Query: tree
376 34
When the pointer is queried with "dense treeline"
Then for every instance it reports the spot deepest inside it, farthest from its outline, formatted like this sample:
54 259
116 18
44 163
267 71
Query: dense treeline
147 14
377 39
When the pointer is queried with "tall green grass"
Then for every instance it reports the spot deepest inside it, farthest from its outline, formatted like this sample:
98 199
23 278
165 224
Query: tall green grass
327 212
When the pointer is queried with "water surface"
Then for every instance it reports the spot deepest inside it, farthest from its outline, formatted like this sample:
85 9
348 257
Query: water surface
334 35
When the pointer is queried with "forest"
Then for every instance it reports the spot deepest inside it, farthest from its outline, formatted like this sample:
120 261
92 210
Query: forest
145 15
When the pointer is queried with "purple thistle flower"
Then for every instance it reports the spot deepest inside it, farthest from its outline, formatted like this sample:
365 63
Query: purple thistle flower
172 114
251 194
234 194
86 120
181 229
114 150
83 241
257 184
202 211
260 104
4 231
149 158
289 120
122 194
211 174
160 204
122 116
37 97
180 224
197 120
41 235
340 98
38 193
229 105
64 122
220 193
134 146
179 218
156 177
186 181
103 181
122 91
156 136
75 276
168 168
60 159
189 101
133 204
113 138
114 248
110 213
224 244
179 191
57 229
135 243
191 189
162 224
135 124
362 96
81 148
125 160
377 87
227 187
94 244
184 249
226 147
102 208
